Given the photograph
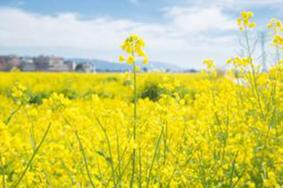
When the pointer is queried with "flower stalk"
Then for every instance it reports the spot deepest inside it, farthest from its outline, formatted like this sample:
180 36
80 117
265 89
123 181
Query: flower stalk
133 46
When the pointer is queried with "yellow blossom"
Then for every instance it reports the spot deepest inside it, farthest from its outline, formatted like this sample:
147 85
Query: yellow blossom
121 58
131 59
244 21
278 41
209 63
133 46
237 61
145 60
275 25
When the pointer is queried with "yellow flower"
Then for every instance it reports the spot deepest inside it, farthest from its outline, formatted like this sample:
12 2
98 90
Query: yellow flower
145 60
275 25
131 59
237 61
278 41
209 63
121 58
137 68
244 21
140 52
133 46
251 185
19 93
252 25
271 180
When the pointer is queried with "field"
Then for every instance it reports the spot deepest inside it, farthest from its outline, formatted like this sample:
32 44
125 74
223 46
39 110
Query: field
191 132
208 129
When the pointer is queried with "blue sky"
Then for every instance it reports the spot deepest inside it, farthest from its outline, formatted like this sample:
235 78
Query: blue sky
180 32
145 10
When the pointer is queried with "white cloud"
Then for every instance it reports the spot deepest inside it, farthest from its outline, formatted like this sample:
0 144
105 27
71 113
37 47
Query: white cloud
238 4
257 2
196 19
185 37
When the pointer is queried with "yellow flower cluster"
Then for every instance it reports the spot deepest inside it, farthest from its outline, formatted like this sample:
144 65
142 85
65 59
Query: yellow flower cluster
18 90
275 25
244 21
238 61
133 46
209 63
210 68
56 102
19 93
278 41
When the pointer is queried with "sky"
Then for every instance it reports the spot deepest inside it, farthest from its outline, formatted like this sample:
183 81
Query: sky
177 32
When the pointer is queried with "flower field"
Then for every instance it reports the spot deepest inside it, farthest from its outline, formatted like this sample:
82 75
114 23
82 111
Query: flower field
208 129
191 131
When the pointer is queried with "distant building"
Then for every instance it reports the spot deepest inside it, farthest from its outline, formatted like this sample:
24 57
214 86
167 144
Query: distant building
41 63
71 65
27 64
53 60
56 64
8 62
26 60
28 67
51 63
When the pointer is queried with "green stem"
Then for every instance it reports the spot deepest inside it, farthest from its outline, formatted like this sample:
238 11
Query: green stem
255 86
134 126
154 158
232 171
140 168
32 157
110 151
32 135
85 159
3 173
7 121
119 181
135 99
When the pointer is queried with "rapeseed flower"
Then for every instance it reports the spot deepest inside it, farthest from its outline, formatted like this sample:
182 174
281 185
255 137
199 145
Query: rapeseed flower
209 63
244 21
134 47
278 41
238 61
275 25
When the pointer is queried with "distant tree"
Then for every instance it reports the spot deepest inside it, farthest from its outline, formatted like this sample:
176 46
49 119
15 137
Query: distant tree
145 69
79 68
